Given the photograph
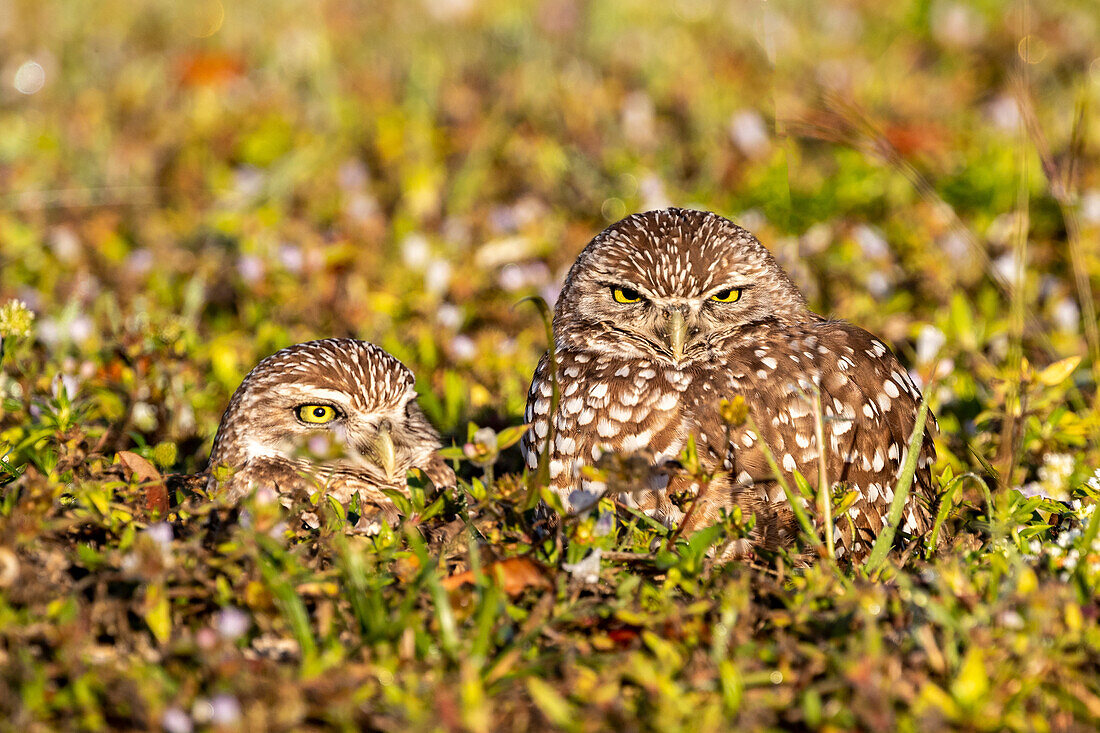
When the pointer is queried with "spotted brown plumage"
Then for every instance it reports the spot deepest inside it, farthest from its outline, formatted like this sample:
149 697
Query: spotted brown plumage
376 433
667 313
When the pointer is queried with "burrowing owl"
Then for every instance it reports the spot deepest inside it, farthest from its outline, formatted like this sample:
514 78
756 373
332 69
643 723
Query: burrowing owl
353 398
666 313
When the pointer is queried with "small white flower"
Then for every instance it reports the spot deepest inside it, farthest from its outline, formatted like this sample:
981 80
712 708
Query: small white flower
871 241
232 623
160 533
652 190
291 257
1005 266
956 24
639 118
463 347
749 133
878 284
416 251
437 277
144 416
1054 474
352 174
1067 315
929 342
249 180
511 277
250 268
69 382
140 262
81 329
1090 206
550 294
587 570
1012 620
224 709
1004 113
449 315
175 720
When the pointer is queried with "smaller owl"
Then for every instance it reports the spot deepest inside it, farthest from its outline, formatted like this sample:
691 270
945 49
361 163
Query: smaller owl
344 398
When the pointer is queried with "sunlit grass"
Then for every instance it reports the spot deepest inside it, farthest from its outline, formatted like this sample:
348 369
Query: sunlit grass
177 204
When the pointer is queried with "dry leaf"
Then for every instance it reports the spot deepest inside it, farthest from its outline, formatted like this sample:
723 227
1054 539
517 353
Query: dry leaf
144 472
141 469
515 575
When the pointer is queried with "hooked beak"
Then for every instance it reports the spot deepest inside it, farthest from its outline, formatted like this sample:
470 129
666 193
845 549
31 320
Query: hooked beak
677 332
379 450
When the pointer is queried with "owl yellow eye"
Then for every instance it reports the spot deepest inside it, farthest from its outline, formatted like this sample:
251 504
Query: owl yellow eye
729 295
316 414
625 295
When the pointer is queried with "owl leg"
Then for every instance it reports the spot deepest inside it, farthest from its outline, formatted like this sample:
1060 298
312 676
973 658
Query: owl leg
775 523
723 494
370 522
710 500
662 507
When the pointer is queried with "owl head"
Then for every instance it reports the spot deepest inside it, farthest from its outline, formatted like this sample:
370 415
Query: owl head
347 399
671 285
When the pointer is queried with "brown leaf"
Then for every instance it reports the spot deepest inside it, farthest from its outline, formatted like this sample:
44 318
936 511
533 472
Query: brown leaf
156 498
141 469
144 472
515 575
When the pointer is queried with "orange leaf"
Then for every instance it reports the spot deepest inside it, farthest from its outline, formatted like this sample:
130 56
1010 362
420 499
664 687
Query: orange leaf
144 472
515 575
156 498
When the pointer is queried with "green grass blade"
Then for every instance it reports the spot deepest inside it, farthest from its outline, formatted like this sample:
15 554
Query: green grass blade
885 539
795 500
947 501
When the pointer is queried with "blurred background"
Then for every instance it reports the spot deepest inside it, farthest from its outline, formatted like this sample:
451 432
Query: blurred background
187 187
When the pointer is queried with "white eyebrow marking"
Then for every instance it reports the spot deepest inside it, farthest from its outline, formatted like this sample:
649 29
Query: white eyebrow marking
319 393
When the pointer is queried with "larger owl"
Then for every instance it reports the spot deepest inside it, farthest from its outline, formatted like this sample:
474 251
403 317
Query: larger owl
336 415
667 313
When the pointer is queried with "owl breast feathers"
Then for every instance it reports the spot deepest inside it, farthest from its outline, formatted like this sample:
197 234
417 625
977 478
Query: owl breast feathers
667 313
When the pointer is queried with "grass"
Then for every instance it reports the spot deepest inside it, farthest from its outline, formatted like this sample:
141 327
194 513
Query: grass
184 191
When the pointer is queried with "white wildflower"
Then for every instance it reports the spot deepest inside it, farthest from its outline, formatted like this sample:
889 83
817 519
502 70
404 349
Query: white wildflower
929 342
161 534
587 570
749 132
232 623
175 720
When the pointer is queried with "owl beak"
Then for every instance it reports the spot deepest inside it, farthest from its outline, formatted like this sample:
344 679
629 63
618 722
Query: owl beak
379 450
677 332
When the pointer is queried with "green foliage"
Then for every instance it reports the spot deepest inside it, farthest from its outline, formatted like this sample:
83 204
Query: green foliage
196 185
